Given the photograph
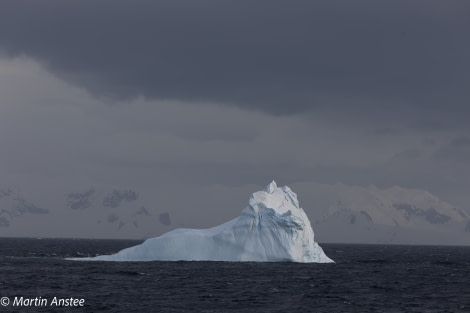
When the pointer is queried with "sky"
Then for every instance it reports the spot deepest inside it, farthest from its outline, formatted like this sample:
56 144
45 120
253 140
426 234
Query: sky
180 95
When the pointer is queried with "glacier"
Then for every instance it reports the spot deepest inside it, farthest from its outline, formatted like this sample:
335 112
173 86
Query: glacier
272 228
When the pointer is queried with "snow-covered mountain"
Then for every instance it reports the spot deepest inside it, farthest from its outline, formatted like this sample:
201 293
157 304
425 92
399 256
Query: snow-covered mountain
13 205
338 213
273 227
393 215
113 213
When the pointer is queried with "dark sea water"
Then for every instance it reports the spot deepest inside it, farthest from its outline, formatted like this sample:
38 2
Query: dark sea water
365 278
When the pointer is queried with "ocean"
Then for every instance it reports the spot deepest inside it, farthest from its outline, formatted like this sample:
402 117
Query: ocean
36 277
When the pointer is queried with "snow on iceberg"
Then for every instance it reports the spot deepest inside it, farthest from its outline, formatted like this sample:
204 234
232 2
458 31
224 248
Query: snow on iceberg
272 228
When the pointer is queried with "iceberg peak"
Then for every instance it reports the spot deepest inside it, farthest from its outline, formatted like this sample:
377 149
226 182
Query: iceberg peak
271 187
272 228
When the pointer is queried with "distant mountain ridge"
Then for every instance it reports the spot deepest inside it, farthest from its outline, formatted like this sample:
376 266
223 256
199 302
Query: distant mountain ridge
396 205
122 207
338 213
112 213
13 205
373 215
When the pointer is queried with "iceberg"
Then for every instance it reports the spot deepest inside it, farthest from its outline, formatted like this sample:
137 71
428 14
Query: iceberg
272 228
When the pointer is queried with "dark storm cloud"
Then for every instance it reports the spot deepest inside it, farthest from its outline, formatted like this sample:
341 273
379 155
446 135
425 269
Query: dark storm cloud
277 56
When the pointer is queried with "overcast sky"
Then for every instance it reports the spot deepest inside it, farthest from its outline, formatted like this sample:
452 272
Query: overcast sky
175 94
